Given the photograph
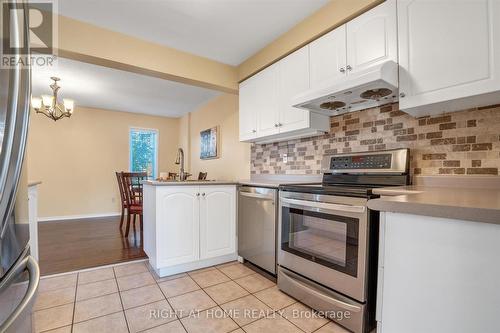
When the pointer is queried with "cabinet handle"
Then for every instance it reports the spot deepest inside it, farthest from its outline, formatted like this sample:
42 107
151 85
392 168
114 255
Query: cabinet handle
254 131
280 124
402 94
203 194
342 70
275 125
349 68
197 194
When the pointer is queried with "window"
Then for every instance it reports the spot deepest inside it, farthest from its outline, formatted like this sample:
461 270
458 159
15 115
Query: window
144 151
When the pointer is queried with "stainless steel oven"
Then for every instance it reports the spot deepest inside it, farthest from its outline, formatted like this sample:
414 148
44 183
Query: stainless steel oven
328 238
325 238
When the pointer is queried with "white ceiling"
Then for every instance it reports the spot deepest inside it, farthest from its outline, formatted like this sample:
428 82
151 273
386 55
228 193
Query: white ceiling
105 88
228 31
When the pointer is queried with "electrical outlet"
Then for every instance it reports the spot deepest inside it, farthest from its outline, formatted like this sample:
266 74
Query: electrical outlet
285 158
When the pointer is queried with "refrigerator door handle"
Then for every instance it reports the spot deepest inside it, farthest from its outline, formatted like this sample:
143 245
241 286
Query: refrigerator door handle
31 266
16 128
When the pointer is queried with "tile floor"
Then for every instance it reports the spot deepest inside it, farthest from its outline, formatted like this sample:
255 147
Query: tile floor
132 298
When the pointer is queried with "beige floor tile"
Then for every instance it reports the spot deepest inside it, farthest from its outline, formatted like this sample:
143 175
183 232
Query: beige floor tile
49 299
271 324
254 282
275 298
140 296
304 317
172 327
52 318
332 328
96 275
193 301
130 269
178 286
225 292
149 315
239 330
209 278
65 329
246 310
113 323
58 282
135 281
236 271
213 320
96 307
95 289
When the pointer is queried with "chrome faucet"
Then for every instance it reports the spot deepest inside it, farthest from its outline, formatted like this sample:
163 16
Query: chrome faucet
180 160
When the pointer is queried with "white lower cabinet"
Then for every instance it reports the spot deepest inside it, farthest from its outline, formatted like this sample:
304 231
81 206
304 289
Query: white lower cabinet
189 227
217 221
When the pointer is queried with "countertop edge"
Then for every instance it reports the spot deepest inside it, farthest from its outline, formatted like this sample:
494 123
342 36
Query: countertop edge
188 183
485 215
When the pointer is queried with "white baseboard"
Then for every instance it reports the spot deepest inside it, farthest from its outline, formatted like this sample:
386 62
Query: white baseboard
76 217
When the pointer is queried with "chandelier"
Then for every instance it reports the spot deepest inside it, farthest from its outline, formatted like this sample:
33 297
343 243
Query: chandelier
49 106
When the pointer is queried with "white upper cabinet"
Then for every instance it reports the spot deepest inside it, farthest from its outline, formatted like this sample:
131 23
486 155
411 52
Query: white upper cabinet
247 110
449 55
266 101
266 111
372 37
328 57
293 78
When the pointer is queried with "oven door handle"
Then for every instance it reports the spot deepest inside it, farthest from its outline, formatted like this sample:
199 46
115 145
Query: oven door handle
326 298
324 205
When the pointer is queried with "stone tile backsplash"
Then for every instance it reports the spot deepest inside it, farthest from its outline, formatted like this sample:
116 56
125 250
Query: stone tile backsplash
458 143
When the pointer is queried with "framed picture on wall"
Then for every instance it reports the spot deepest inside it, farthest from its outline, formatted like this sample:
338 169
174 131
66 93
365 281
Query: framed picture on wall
209 140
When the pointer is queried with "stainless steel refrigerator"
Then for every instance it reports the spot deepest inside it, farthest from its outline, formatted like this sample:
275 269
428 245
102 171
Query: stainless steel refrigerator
19 272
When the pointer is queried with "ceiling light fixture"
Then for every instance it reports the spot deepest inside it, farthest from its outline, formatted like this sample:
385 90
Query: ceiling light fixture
49 106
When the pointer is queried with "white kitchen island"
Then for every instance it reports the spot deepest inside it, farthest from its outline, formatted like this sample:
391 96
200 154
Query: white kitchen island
189 225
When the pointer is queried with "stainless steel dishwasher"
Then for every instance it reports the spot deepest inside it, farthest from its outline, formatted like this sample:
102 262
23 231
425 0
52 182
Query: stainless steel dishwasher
257 223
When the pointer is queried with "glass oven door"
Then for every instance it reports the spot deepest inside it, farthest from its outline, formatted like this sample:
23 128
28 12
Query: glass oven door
324 233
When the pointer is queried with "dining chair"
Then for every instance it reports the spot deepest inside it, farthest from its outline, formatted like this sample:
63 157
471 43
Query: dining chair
134 194
123 198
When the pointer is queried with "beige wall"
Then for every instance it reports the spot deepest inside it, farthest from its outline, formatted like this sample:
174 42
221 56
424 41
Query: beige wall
76 158
234 156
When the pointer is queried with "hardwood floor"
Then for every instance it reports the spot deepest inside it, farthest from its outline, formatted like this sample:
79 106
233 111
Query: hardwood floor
77 244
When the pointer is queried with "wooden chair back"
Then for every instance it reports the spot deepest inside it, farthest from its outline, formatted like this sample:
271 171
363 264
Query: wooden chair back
132 183
121 187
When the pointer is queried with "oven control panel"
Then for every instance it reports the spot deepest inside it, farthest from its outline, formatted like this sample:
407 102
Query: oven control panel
356 162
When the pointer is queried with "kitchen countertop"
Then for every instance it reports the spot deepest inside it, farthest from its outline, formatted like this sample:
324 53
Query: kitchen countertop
268 183
471 204
189 182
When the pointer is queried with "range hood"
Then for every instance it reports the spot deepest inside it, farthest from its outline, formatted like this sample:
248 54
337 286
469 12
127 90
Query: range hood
372 87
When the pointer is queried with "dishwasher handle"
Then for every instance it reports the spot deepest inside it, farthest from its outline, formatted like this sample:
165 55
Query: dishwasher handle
257 195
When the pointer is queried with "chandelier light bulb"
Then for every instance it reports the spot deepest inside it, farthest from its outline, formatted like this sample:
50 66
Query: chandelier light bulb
36 103
47 100
69 104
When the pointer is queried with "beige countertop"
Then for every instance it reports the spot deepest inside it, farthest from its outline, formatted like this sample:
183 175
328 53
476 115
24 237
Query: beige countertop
190 182
471 204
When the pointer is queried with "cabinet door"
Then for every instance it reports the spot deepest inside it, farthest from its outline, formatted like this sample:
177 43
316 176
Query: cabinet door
247 110
372 37
265 101
293 78
178 225
447 50
217 221
328 57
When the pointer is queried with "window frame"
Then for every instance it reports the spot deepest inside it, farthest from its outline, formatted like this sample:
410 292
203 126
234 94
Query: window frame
154 130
